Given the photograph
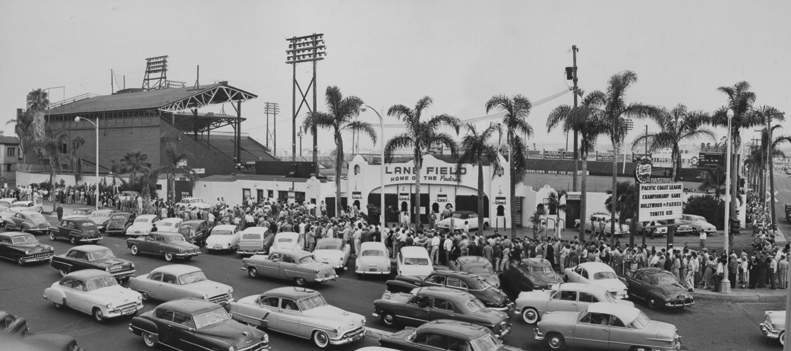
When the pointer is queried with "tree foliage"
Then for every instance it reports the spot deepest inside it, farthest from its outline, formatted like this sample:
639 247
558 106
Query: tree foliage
710 207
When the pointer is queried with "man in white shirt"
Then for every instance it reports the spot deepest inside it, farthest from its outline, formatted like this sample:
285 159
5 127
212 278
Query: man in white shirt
435 248
448 245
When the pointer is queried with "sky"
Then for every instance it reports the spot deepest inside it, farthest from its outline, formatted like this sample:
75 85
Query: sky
460 53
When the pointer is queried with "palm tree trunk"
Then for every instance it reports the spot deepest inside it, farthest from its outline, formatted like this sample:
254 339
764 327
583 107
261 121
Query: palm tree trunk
676 161
772 187
583 196
480 195
338 166
418 165
614 191
735 139
512 185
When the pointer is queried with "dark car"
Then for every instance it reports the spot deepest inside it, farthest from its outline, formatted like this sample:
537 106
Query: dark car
195 231
119 223
23 248
531 274
170 245
658 288
428 304
77 230
490 296
39 342
12 325
93 257
477 265
446 335
27 221
196 324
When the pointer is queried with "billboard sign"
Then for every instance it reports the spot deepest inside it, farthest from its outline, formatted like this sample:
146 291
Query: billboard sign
660 201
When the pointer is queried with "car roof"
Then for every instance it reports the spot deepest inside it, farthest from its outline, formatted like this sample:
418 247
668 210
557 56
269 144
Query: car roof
536 262
146 216
373 245
472 259
168 234
89 248
292 292
286 234
122 213
103 211
224 226
413 251
194 221
596 267
189 306
176 269
80 219
446 293
255 230
332 241
88 274
580 287
171 219
625 313
455 274
652 270
298 253
13 234
456 329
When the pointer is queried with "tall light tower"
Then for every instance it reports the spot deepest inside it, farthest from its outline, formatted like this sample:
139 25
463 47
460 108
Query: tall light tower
309 48
271 108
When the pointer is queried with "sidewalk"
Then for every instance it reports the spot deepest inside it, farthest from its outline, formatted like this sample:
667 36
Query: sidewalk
742 295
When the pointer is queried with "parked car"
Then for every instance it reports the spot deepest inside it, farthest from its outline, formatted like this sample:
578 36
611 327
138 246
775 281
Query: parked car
660 227
23 248
565 297
40 342
169 245
76 230
620 229
774 326
288 241
531 274
413 260
101 218
177 281
490 296
5 213
142 225
223 237
81 211
446 335
93 257
12 325
606 326
94 292
297 265
281 308
190 202
333 252
460 218
373 259
788 212
27 206
119 222
476 265
196 325
596 273
26 221
195 231
698 223
7 201
658 288
169 225
254 241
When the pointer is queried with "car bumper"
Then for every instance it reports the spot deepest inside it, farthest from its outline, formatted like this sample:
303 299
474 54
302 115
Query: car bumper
349 337
123 274
186 254
680 304
250 252
37 257
89 240
123 312
507 308
769 332
538 335
326 279
374 272
218 247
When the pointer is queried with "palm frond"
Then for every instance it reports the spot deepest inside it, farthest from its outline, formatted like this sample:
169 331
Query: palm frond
397 142
362 127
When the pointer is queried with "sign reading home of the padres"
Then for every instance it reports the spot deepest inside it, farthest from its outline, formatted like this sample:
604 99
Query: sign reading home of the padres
660 201
407 173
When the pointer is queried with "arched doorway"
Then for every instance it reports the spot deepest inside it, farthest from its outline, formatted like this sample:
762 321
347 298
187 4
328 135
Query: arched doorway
500 211
357 204
404 206
435 208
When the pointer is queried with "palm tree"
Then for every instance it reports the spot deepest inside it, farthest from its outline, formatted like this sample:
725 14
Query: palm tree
715 179
420 137
476 149
625 205
37 103
586 120
516 109
176 162
49 147
134 162
75 157
340 118
768 113
675 127
555 199
23 128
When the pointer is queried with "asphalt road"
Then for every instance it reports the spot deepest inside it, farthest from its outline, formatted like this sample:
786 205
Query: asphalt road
706 326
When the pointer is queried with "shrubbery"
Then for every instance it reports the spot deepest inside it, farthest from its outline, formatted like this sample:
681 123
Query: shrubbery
710 207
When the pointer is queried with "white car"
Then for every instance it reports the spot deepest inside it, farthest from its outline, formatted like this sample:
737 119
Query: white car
223 237
142 225
333 252
287 240
620 229
180 281
190 202
373 259
696 222
597 273
565 297
169 225
5 213
7 201
774 326
414 261
27 206
460 218
94 292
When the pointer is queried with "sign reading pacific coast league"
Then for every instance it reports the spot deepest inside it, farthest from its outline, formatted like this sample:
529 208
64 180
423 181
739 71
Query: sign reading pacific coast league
660 201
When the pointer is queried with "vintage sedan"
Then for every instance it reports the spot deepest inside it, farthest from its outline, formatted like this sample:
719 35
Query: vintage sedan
178 281
427 304
7 201
76 230
81 211
119 222
774 327
658 288
287 240
595 220
23 248
94 292
373 259
254 241
531 274
169 245
460 218
193 202
413 260
195 231
101 218
5 214
26 221
490 296
169 225
606 326
597 273
283 309
27 206
142 225
477 265
93 257
297 265
12 325
697 223
445 335
223 237
565 297
333 252
40 342
196 325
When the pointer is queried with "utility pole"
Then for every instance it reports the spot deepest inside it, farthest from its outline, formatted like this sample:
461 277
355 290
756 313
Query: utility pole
309 48
573 74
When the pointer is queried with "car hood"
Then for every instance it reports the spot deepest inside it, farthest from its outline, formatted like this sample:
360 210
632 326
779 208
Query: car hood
670 291
778 318
661 331
492 316
544 281
99 220
34 247
613 285
208 287
118 222
343 319
232 332
532 296
116 294
491 295
110 262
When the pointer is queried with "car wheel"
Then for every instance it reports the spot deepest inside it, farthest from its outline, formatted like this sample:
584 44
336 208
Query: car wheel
98 315
555 341
134 249
168 256
253 273
73 240
301 281
530 315
59 306
782 338
63 272
20 262
52 236
389 319
150 339
321 339
652 303
145 296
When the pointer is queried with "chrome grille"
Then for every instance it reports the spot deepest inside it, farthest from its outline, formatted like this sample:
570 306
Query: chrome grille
116 268
220 299
354 332
254 347
40 255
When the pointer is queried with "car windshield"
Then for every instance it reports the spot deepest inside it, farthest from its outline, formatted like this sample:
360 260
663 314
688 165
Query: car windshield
372 253
640 322
480 270
23 239
311 302
457 215
99 255
411 261
99 214
485 343
141 220
252 236
102 282
284 240
210 318
664 279
307 259
36 216
544 270
328 246
174 238
221 232
118 217
604 275
474 305
166 224
193 277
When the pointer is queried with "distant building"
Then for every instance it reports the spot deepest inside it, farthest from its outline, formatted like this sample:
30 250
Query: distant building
10 154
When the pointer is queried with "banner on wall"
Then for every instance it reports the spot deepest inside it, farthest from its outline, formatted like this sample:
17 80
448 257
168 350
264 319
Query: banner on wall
500 200
403 197
442 197
356 195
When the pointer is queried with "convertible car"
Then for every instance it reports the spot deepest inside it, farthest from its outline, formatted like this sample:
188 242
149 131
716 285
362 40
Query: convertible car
460 218
282 308
597 273
94 292
606 326
196 325
477 265
568 297
658 288
169 245
177 281
299 266
490 296
333 252
26 221
531 274
93 257
23 248
444 334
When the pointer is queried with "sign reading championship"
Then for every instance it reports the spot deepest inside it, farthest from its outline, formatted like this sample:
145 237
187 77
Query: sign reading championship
658 200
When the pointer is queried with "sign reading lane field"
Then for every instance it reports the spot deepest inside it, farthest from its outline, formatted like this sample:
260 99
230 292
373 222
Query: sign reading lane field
660 201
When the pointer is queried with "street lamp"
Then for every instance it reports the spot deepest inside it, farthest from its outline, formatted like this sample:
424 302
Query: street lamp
96 165
381 169
725 286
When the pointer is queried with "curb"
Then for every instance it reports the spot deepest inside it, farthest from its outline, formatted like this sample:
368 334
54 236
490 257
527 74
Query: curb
767 298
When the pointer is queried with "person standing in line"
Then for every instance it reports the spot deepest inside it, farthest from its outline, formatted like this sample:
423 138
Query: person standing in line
506 261
783 272
59 211
772 272
488 252
718 275
689 271
497 251
435 247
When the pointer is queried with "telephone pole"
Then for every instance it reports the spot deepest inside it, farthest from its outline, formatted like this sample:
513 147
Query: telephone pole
573 74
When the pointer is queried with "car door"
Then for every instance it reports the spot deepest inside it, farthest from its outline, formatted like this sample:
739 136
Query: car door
593 331
619 334
635 284
585 299
563 300
289 316
288 267
429 342
146 245
155 286
455 283
270 267
434 280
166 333
5 248
77 296
267 311
170 289
417 310
442 309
